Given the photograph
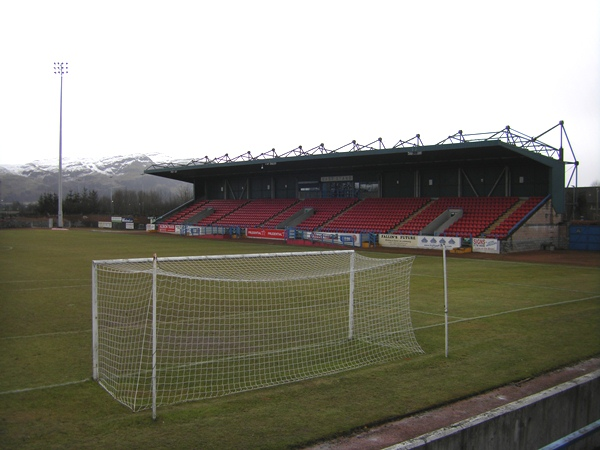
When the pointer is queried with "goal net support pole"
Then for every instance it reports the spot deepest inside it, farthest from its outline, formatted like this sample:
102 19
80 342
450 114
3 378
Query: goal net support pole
154 331
351 299
445 299
94 323
177 329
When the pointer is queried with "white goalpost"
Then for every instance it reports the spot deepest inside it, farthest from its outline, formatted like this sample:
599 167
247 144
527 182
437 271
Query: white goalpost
171 330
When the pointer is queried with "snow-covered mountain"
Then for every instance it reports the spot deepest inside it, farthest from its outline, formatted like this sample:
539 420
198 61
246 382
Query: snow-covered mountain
25 183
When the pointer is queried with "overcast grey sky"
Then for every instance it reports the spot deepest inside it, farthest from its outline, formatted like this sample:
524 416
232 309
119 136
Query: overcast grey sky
203 78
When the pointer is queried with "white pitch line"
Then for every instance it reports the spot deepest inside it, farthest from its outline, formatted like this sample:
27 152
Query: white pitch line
54 280
19 391
434 314
78 286
504 283
511 311
56 333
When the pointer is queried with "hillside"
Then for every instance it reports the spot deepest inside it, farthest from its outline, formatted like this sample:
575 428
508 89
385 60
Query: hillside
25 183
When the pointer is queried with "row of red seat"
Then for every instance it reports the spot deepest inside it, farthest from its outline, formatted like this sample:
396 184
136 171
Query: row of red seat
221 209
180 217
325 209
377 215
476 220
478 214
501 230
256 212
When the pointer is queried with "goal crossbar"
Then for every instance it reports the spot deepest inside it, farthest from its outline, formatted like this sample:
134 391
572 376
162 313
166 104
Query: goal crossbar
175 329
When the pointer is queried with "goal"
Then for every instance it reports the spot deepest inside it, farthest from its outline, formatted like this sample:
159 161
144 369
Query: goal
171 330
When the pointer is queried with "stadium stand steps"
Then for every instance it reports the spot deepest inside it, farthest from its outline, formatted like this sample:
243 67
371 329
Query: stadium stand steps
185 213
256 212
324 210
221 208
478 213
310 214
374 215
502 230
412 216
296 218
199 216
504 216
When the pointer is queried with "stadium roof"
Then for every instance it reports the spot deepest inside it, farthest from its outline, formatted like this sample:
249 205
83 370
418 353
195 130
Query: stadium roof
500 145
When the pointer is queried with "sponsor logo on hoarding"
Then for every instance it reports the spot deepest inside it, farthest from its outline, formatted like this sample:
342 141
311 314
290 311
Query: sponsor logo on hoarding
481 245
398 240
262 233
166 228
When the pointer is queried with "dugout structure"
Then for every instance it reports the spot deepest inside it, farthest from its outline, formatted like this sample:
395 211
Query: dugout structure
171 330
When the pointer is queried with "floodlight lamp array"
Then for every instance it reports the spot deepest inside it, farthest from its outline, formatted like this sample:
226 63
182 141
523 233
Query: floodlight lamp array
61 68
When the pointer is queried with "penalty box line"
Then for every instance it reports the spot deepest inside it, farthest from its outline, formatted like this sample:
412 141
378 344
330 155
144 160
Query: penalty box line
466 319
38 388
507 283
435 314
56 333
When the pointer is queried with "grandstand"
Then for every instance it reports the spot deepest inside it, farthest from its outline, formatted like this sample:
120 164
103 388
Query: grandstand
487 185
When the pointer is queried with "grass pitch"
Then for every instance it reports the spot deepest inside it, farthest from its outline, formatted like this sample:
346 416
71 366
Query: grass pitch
508 321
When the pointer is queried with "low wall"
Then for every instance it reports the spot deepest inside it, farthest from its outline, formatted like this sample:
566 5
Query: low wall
529 423
541 230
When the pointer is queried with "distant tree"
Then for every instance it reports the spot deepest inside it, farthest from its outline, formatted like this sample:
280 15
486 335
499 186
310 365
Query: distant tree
85 203
17 206
48 204
89 202
151 203
184 194
31 209
103 205
123 202
72 203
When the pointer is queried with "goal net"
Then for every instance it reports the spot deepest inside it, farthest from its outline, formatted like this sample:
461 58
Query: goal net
171 330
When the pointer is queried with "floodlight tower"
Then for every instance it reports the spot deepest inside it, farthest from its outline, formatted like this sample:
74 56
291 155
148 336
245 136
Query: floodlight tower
60 69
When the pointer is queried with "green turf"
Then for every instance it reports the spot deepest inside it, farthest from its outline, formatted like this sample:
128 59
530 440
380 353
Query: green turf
508 321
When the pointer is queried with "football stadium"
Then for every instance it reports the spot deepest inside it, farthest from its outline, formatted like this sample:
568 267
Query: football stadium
369 296
493 192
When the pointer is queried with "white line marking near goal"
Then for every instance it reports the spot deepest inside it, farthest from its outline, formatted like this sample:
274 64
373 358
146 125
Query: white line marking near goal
504 283
53 280
433 314
503 262
512 311
69 383
78 286
56 333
